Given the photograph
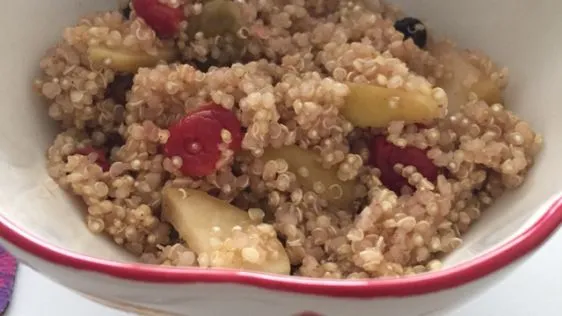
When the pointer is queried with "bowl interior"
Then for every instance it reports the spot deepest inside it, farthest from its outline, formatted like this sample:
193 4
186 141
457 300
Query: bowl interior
518 34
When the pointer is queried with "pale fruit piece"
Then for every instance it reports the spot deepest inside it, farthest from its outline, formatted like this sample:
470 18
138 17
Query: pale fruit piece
465 79
298 158
373 106
194 214
487 90
123 60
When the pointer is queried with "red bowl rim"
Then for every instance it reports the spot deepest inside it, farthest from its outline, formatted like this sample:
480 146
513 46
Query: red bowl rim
517 247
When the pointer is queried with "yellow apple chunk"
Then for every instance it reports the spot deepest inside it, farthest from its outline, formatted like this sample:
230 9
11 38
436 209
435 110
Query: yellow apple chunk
463 79
336 191
373 106
199 218
122 60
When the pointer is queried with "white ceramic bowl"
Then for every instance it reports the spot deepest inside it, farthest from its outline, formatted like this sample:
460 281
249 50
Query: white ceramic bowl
44 227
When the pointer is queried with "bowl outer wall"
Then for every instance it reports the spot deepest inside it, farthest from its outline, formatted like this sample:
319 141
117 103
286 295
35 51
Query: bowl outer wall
515 247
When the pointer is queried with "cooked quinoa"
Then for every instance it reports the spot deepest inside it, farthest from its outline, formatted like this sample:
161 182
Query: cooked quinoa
400 194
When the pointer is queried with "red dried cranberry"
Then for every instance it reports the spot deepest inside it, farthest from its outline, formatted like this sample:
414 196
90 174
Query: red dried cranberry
163 19
101 159
196 139
228 120
385 155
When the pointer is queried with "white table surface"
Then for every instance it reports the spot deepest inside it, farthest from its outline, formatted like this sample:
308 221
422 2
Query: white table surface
533 289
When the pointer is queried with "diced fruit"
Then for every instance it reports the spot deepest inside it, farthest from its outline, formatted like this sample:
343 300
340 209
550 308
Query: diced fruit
227 119
196 139
488 91
114 139
385 155
197 215
101 159
374 106
465 79
118 89
216 18
122 60
126 10
162 18
414 29
298 159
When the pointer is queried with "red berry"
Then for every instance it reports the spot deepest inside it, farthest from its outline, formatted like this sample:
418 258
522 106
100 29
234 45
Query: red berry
163 19
196 139
228 120
385 155
101 159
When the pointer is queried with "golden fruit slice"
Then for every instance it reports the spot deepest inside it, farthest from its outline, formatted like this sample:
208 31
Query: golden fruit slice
122 60
373 106
217 17
200 218
336 191
464 79
487 90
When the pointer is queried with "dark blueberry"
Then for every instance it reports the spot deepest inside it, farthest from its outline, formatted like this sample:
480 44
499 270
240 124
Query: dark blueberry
174 236
118 89
126 11
114 139
414 29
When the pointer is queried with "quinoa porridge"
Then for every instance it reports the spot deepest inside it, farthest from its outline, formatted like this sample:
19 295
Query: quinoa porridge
315 138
